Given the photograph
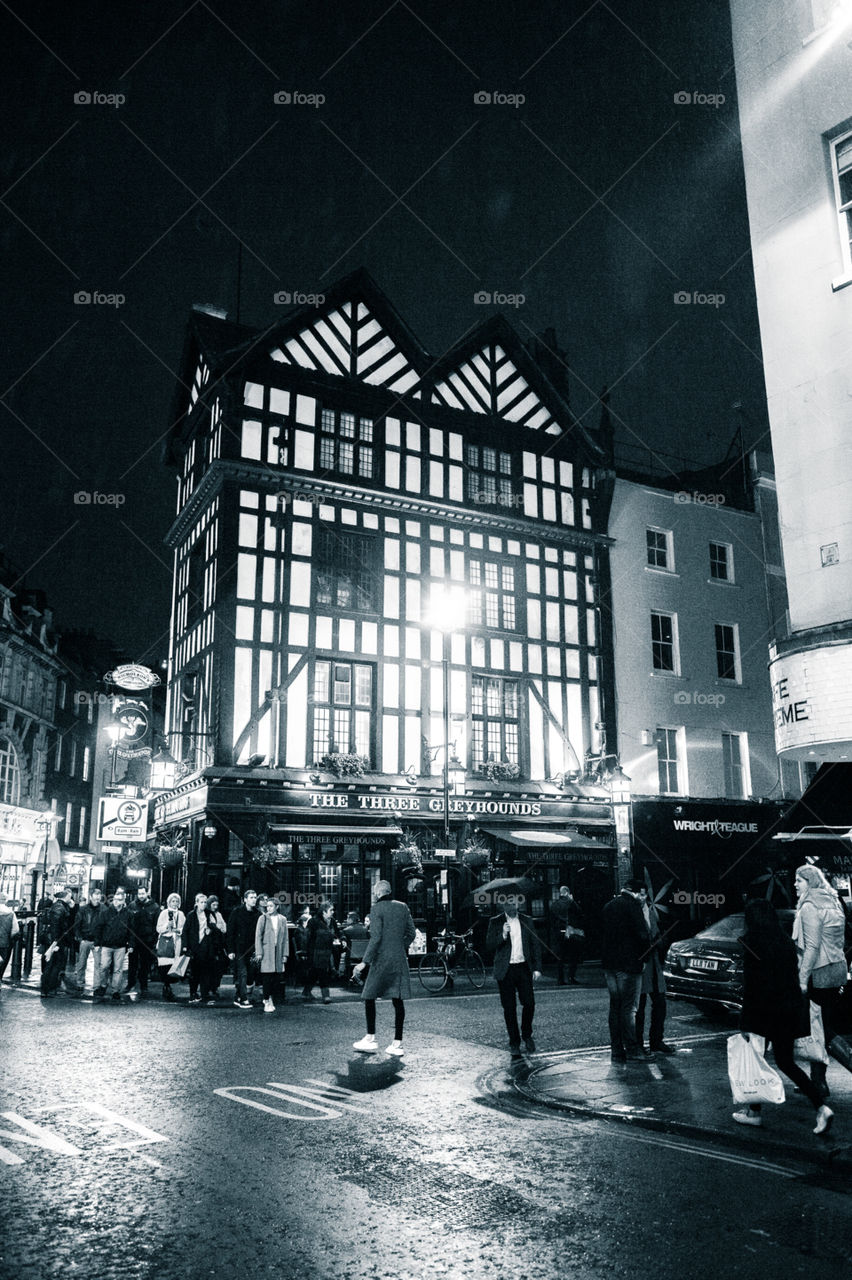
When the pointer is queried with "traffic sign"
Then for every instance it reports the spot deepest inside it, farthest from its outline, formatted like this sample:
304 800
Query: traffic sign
120 818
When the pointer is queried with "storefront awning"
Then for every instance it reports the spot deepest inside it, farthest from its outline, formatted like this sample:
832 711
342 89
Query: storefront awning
549 839
825 810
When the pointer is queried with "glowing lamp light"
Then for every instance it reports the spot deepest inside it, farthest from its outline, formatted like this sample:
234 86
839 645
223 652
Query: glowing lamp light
447 607
619 785
164 770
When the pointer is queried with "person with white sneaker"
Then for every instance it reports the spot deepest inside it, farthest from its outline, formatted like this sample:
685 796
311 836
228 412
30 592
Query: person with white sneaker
271 948
774 1006
391 934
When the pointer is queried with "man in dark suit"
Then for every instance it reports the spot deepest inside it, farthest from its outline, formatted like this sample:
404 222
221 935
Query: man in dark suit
515 945
626 947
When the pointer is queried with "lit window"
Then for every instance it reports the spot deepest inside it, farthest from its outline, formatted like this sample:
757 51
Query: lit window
663 642
81 837
345 570
491 599
727 652
721 562
69 818
659 549
10 773
72 761
668 761
87 760
735 762
495 720
488 476
346 444
343 709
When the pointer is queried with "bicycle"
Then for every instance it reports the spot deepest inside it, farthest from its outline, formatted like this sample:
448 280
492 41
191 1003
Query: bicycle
453 954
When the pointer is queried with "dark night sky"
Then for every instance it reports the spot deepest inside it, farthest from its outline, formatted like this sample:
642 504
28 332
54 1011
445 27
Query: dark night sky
597 199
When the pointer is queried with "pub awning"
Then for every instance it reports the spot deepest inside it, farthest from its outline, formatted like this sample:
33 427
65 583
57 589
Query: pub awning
524 838
825 810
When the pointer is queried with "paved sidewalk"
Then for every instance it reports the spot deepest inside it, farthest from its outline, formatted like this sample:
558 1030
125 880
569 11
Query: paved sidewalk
688 1093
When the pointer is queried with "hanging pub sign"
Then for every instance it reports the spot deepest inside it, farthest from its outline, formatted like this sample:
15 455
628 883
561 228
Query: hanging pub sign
132 677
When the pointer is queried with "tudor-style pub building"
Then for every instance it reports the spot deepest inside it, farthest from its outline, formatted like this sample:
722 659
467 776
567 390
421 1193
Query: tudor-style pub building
335 482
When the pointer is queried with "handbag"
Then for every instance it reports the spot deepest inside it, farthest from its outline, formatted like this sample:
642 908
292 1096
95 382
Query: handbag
752 1079
179 967
812 1048
166 946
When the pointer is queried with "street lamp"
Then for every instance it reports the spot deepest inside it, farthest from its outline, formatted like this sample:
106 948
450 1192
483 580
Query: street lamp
622 813
164 770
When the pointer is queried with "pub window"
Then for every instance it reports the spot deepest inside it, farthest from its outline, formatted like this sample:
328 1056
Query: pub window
343 709
10 773
491 599
495 720
346 576
488 475
346 443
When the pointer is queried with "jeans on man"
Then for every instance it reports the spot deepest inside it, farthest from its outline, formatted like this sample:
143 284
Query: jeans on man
112 970
623 991
87 948
517 982
243 975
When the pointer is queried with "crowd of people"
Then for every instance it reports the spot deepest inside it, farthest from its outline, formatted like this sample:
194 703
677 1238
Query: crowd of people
789 983
124 941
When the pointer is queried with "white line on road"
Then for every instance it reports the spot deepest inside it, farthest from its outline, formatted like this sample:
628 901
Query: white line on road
764 1166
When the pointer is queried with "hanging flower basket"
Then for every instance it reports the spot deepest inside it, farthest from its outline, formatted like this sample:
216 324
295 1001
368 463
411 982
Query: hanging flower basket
475 855
264 855
408 854
344 764
500 770
170 855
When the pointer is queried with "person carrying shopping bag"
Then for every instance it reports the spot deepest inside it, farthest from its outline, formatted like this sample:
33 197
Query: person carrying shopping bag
818 932
774 1006
170 924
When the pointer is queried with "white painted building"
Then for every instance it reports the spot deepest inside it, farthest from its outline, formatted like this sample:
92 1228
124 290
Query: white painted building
795 104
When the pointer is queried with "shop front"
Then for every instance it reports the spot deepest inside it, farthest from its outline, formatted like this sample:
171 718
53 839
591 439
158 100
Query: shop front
703 857
29 854
331 843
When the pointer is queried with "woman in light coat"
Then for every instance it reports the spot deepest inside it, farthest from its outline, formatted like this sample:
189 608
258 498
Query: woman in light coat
170 924
818 932
271 948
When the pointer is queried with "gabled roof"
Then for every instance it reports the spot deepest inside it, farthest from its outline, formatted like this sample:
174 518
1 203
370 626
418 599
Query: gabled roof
355 333
491 372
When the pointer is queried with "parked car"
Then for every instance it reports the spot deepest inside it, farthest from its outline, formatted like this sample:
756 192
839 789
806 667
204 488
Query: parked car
708 969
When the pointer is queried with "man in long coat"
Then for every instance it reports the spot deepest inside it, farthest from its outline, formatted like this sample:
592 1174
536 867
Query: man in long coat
391 934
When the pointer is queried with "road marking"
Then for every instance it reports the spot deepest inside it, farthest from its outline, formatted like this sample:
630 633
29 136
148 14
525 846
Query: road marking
39 1138
764 1166
316 1099
147 1135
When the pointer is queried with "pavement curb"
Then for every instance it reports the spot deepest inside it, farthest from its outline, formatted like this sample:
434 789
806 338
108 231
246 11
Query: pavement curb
835 1158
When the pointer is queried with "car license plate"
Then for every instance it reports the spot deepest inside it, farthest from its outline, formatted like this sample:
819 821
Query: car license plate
697 963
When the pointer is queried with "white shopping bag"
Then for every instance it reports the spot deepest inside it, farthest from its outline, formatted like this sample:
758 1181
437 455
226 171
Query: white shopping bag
812 1048
752 1079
